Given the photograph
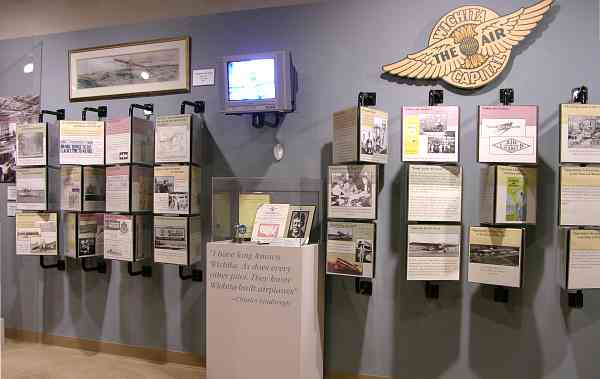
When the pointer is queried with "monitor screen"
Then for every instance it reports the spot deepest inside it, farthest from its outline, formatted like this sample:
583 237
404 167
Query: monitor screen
251 79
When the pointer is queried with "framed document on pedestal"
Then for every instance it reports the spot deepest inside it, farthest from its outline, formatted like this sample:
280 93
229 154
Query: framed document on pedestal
83 235
360 134
508 134
82 143
129 140
177 240
579 196
433 252
37 233
129 189
434 193
82 188
270 222
495 256
179 139
351 248
579 133
508 195
581 259
37 145
430 134
352 192
37 189
127 237
177 189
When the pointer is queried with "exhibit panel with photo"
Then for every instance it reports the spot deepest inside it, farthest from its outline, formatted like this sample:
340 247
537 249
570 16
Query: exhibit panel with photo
70 186
129 140
360 134
82 142
177 189
172 240
351 248
14 110
36 233
433 252
430 134
178 139
508 134
127 237
37 144
38 188
495 256
82 234
579 196
94 189
512 195
434 193
352 192
129 188
582 259
579 133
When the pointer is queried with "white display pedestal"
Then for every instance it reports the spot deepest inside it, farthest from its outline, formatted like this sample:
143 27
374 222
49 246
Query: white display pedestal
264 312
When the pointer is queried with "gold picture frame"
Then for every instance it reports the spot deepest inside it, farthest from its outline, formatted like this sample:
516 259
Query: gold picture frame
145 68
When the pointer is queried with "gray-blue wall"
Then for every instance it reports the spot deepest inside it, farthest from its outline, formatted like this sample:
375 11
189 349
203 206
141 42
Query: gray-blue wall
338 48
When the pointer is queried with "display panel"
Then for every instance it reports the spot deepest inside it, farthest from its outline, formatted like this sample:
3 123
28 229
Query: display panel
71 182
177 240
508 134
82 142
583 254
430 134
127 237
579 196
37 188
129 140
360 134
352 192
433 252
434 193
351 248
176 189
90 238
579 133
129 188
495 256
32 144
36 234
173 139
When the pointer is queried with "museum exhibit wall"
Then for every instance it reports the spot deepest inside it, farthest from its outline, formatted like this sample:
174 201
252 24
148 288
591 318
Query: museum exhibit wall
338 48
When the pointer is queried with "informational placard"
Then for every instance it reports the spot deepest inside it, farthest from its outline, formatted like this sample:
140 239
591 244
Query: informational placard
265 307
177 240
37 233
203 77
434 193
82 142
579 196
68 236
583 255
508 134
579 133
94 189
31 145
360 134
129 140
351 248
119 237
32 188
11 208
173 139
123 196
71 183
352 192
495 256
509 195
433 252
176 189
11 192
430 134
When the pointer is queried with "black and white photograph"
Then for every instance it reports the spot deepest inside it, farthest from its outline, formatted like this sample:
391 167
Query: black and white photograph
92 193
164 184
494 255
31 144
298 222
353 190
87 246
584 132
433 123
444 143
335 233
170 237
28 196
432 249
373 140
364 251
179 201
13 110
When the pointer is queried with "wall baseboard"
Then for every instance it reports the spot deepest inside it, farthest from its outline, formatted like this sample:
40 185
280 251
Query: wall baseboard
148 354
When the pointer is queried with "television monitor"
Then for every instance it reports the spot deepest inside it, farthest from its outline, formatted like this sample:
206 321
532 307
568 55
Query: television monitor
256 83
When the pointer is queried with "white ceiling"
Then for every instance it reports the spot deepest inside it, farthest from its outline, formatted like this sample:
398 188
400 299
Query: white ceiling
24 18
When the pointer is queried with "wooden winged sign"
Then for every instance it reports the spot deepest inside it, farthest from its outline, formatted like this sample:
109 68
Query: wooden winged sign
470 46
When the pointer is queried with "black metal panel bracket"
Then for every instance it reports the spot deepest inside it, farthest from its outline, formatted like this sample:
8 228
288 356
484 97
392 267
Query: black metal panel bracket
194 274
367 99
147 108
146 271
199 106
436 97
59 113
60 264
102 111
575 299
507 96
579 95
432 290
500 294
100 266
363 286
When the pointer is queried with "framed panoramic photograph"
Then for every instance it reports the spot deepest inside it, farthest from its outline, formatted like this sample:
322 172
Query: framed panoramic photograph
130 69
